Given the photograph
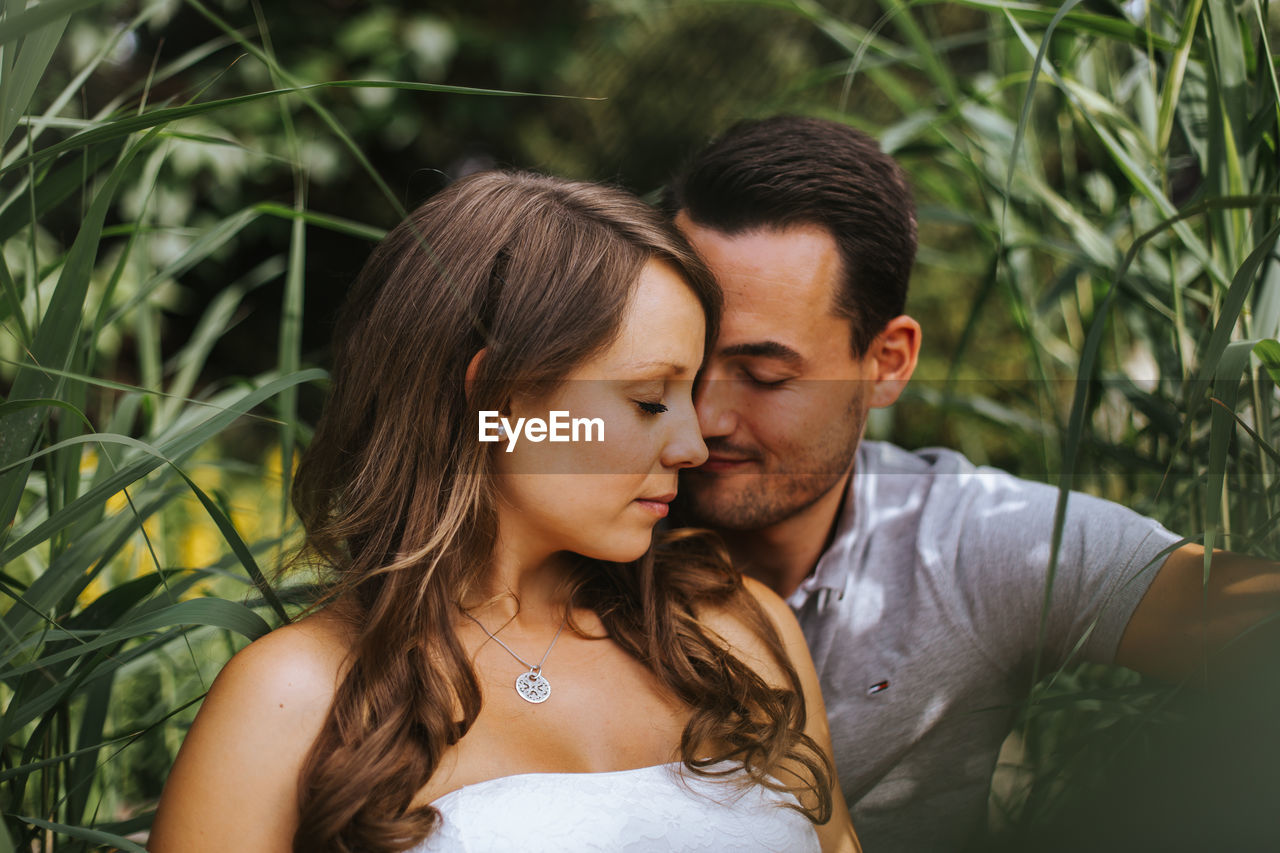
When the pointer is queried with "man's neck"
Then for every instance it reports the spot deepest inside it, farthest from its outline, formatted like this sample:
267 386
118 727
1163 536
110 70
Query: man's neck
782 555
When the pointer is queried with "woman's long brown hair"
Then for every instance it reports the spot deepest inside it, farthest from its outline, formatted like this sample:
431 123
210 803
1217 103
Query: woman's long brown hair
395 494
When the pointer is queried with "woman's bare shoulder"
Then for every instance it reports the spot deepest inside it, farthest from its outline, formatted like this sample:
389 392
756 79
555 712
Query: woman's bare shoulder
746 642
240 762
303 660
740 633
294 670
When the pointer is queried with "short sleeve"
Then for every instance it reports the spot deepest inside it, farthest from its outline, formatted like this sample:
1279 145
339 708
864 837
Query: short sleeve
1107 558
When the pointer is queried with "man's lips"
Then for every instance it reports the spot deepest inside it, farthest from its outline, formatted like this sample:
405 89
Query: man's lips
717 463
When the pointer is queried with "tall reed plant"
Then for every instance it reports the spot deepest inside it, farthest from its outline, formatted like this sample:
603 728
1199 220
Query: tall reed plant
109 466
1113 169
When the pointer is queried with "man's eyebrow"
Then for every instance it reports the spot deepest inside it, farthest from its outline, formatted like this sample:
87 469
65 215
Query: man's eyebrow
764 349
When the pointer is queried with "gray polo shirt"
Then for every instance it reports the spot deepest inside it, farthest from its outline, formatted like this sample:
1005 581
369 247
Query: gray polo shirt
922 618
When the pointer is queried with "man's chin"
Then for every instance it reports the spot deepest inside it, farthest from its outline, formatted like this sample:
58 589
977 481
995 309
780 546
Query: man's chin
704 502
746 503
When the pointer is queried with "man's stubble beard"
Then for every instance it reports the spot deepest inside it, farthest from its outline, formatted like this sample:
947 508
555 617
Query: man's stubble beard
755 500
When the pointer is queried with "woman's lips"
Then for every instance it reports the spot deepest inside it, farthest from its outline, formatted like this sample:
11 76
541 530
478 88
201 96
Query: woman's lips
657 507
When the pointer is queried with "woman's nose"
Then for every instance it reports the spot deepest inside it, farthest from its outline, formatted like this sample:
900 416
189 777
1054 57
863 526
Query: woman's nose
685 448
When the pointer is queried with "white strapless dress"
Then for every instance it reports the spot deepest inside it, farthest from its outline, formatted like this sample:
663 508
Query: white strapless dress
646 810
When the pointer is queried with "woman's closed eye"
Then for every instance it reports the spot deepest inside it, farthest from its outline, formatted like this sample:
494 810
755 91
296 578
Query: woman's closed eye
650 407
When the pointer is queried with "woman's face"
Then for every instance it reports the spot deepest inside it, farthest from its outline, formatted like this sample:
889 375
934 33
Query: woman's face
601 497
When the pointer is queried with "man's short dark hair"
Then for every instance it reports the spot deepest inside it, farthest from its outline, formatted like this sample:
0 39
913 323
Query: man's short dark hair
790 170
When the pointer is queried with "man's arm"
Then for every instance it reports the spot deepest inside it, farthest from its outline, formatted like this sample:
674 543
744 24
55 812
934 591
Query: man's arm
1181 622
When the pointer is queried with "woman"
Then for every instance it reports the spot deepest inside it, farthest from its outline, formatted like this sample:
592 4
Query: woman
505 662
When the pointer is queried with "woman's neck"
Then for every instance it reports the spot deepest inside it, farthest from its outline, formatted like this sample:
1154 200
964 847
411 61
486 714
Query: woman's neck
523 584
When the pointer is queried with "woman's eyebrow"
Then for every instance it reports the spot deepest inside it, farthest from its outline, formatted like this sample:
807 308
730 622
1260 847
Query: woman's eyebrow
764 349
669 366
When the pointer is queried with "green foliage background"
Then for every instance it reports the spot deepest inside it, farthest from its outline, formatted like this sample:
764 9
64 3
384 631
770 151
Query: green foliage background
187 187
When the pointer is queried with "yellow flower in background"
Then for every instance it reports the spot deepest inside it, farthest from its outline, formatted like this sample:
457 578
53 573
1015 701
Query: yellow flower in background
247 521
116 503
183 535
199 546
91 592
272 463
208 477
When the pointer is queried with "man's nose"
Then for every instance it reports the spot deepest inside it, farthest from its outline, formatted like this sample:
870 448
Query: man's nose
714 401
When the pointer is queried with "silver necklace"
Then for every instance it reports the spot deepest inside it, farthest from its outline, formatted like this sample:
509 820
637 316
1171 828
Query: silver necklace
532 685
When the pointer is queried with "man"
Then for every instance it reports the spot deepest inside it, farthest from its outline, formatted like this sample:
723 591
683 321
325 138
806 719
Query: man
919 579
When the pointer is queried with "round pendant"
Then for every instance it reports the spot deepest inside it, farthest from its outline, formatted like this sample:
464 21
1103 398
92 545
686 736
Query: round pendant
533 687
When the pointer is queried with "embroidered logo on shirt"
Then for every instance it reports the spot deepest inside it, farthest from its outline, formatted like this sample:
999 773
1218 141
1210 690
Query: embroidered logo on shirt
878 687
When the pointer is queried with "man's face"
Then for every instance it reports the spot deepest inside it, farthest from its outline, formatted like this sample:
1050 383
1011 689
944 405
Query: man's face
783 400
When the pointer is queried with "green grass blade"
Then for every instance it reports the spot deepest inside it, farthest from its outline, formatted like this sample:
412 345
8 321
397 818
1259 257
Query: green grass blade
209 242
14 27
1137 173
52 115
1083 23
1268 352
1234 301
1169 95
28 67
239 548
11 305
216 320
127 125
209 612
55 338
1226 43
1228 371
55 187
85 834
67 575
43 403
175 447
927 56
24 769
137 390
333 223
1264 445
1029 97
1270 67
97 700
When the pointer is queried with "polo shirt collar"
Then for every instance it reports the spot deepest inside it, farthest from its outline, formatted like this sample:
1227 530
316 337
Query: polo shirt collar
833 566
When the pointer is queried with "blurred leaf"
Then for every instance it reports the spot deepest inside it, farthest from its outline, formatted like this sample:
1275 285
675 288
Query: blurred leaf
213 612
1085 23
126 125
239 548
85 834
55 340
174 447
1170 94
14 27
1241 284
1226 386
1268 352
23 69
57 186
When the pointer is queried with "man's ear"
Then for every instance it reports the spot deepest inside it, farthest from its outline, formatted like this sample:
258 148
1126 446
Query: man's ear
892 356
